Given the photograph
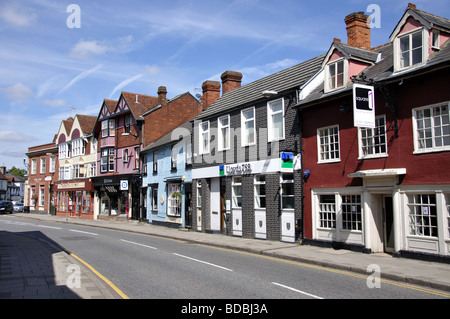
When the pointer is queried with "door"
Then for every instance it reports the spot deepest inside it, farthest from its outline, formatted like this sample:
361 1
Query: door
188 205
388 223
215 204
223 206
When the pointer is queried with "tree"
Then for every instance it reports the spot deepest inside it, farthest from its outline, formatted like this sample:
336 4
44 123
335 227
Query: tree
17 171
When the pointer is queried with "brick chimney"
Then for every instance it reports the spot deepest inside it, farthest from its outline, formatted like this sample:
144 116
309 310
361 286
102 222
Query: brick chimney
230 81
162 95
211 93
358 30
411 5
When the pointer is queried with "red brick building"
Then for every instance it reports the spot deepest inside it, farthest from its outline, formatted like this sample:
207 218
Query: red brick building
383 187
42 175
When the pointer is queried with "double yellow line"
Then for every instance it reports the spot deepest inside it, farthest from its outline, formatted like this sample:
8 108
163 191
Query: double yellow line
106 280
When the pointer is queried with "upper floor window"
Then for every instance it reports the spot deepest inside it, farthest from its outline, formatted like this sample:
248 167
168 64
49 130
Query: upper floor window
328 144
127 124
64 150
410 49
248 126
52 164
224 132
431 126
108 127
33 166
372 141
335 77
204 137
78 147
275 120
107 160
42 171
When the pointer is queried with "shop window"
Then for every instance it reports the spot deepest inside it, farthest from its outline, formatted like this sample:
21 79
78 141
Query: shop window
236 187
327 211
351 212
287 191
422 215
260 191
155 198
41 195
174 200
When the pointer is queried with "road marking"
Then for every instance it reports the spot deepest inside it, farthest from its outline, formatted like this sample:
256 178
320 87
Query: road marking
120 292
132 242
45 226
204 262
296 290
84 232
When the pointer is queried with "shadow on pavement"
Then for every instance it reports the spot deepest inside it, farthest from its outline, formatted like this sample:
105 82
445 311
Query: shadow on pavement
31 268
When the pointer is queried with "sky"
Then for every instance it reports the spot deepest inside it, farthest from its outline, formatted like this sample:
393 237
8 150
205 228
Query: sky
61 58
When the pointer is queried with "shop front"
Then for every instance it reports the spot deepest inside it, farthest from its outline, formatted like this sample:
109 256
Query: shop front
75 199
118 196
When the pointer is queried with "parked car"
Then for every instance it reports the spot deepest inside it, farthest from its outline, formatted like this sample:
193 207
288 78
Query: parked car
18 207
6 206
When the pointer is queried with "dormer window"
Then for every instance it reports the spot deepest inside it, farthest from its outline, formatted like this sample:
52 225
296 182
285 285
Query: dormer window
335 75
411 47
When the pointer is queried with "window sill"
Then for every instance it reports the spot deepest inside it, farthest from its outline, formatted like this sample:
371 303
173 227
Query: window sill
361 158
329 162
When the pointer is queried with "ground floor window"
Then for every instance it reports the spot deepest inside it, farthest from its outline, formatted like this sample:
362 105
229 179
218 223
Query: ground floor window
327 211
351 212
287 191
448 213
237 192
422 215
174 199
114 202
155 198
75 202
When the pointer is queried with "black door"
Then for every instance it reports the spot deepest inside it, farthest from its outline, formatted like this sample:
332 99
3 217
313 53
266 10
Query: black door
188 205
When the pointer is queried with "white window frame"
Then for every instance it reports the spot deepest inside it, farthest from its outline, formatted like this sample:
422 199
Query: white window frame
204 136
435 34
174 204
125 156
108 127
33 166
155 199
420 215
244 121
64 150
328 82
236 183
397 52
78 147
199 195
433 148
319 145
52 164
41 196
42 165
260 181
221 129
374 135
270 121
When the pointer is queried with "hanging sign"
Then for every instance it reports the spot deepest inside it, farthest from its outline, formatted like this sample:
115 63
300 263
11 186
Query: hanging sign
123 185
363 106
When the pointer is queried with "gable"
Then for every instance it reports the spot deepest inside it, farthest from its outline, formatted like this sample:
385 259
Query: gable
122 106
104 112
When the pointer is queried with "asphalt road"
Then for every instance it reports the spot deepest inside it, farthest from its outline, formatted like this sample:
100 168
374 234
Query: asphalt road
150 267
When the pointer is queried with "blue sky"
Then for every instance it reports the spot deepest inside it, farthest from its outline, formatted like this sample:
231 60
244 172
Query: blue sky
50 71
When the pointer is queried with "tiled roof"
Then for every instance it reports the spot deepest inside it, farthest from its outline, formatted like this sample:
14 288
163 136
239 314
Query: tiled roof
87 123
289 78
185 130
143 104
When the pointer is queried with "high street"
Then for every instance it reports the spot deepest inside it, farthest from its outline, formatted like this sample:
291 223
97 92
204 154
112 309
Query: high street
145 266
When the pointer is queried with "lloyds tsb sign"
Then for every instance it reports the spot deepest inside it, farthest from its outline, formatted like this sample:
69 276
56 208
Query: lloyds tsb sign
237 169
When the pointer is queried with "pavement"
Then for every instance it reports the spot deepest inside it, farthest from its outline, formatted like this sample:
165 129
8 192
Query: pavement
26 264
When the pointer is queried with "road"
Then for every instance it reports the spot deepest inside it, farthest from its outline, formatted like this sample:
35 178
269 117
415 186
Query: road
149 267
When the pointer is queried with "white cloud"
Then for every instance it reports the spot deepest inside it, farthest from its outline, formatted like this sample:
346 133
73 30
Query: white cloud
149 70
80 77
55 103
17 16
17 92
11 136
84 49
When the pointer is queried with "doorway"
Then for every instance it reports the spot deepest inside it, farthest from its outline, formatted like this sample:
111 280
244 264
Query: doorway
388 224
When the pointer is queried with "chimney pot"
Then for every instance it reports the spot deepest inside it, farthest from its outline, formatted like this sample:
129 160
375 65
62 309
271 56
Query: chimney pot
411 5
230 81
358 30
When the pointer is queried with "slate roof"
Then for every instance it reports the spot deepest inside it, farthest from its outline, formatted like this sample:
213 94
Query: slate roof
186 130
287 79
